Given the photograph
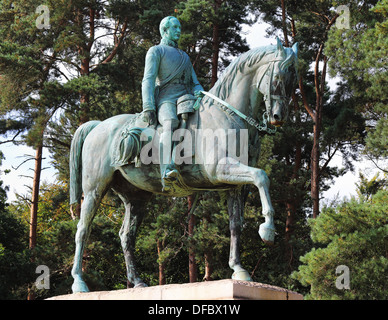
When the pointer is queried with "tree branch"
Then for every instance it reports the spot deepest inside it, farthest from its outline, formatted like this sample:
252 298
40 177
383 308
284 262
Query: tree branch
316 75
304 99
92 13
117 43
29 159
376 165
13 138
323 168
322 16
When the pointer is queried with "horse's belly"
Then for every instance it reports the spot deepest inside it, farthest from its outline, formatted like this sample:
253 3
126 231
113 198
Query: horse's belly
147 177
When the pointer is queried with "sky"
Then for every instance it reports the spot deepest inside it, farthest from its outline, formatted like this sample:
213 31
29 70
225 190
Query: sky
19 180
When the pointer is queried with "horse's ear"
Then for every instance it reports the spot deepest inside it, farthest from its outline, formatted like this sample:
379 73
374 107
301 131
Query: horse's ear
280 48
295 48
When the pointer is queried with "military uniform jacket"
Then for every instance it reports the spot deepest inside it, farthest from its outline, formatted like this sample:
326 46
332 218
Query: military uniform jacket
168 75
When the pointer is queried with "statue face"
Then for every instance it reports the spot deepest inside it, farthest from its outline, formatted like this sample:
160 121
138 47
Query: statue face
173 32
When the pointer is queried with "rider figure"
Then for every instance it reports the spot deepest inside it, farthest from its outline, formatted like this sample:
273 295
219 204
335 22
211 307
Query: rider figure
168 75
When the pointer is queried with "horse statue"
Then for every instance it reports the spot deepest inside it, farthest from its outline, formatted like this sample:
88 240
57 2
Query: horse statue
106 155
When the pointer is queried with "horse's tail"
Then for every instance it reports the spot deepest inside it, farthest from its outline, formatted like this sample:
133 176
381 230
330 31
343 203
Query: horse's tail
76 160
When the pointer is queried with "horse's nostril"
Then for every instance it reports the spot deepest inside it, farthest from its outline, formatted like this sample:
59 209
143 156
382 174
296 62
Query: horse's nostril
276 117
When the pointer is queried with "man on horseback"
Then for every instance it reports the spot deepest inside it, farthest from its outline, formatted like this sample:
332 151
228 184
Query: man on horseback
168 75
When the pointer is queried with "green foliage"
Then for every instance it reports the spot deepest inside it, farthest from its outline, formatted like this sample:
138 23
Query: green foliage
199 18
211 235
366 189
29 92
354 234
274 264
164 222
103 260
15 266
359 57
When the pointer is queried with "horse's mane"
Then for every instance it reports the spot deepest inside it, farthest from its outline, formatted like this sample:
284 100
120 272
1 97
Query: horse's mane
248 59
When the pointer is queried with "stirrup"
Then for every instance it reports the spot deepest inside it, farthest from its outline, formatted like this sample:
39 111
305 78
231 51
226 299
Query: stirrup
170 174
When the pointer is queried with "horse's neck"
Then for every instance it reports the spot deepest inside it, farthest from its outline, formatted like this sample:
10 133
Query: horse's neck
239 88
242 91
242 94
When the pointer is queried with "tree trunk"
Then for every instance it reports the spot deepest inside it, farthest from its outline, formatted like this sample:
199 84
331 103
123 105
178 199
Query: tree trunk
162 276
215 56
84 99
284 24
192 264
216 45
315 155
84 55
292 204
35 196
34 208
209 251
208 265
288 252
316 115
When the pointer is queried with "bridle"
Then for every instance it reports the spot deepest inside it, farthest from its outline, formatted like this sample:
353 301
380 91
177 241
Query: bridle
262 125
268 96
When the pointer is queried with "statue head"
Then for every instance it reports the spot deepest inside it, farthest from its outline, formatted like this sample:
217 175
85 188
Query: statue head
170 28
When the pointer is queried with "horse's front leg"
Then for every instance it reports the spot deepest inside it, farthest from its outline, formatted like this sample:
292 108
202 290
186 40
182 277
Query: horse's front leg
266 229
238 173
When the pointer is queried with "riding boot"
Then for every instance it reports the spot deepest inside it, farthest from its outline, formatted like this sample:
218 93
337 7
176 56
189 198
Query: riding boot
168 171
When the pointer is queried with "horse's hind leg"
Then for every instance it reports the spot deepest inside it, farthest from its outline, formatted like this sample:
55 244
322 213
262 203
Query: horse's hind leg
88 210
134 214
236 218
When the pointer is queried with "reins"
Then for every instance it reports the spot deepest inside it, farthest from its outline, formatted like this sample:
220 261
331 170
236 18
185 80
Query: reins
261 126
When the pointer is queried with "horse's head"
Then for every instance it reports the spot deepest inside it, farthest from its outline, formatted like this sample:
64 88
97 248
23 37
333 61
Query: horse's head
276 81
271 71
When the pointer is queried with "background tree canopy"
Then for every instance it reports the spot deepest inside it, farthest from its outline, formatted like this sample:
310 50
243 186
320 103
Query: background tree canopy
89 65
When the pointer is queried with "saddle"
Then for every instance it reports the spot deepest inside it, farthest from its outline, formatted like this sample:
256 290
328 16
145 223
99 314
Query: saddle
135 134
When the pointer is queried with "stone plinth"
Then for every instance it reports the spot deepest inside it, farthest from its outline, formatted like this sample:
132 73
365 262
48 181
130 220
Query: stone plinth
212 290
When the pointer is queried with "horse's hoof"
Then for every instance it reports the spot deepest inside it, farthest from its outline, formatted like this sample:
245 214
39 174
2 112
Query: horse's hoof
267 233
242 275
79 286
140 285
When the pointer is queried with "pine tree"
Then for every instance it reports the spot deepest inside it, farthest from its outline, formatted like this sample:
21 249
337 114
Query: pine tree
366 189
15 264
162 241
29 88
354 234
336 127
359 58
211 32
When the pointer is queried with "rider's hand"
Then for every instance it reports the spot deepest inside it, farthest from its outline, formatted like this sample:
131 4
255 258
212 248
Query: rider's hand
149 116
198 94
